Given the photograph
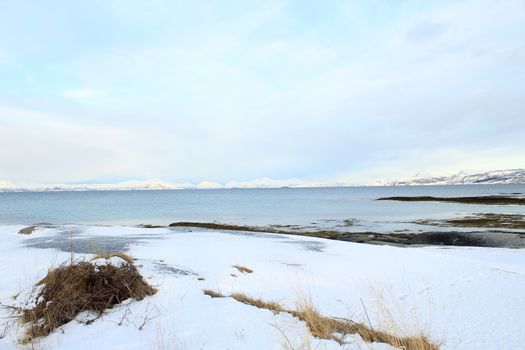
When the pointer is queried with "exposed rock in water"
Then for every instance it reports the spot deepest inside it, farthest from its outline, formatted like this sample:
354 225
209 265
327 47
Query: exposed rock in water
489 200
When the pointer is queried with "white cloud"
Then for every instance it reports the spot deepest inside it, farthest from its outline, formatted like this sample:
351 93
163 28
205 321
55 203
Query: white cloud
248 97
82 93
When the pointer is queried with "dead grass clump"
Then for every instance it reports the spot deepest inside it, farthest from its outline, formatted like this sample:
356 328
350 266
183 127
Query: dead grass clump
213 293
319 326
243 269
327 327
81 286
261 304
330 328
109 255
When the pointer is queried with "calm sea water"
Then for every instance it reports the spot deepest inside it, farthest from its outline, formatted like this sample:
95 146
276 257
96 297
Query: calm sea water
310 207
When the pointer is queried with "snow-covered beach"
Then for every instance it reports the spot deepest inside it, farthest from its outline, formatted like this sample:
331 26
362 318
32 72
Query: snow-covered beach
462 298
283 175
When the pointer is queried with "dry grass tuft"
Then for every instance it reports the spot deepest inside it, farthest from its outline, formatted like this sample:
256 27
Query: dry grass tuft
213 293
261 304
243 269
319 326
324 327
109 255
77 287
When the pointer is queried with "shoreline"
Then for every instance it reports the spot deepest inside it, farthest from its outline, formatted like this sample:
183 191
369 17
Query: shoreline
488 239
52 189
491 238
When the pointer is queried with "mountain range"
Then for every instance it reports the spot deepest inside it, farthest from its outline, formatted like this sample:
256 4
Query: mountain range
510 176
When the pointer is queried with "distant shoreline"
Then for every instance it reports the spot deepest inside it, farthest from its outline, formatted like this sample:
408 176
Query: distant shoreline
496 177
24 190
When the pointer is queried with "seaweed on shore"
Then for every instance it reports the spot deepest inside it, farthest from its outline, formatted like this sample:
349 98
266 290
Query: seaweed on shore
451 238
486 200
480 220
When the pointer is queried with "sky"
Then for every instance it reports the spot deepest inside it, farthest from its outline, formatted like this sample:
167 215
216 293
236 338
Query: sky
105 91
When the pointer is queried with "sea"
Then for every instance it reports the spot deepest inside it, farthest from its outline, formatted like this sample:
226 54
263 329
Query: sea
353 209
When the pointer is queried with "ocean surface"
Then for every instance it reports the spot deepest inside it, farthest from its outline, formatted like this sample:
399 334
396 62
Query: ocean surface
308 208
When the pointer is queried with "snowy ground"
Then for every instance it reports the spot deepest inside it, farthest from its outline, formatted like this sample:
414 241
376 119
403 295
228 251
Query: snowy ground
467 298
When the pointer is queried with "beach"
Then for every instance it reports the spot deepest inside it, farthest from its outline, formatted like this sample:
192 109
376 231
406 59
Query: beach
455 295
460 297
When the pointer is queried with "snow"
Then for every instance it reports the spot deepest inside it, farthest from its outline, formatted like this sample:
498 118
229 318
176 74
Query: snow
157 184
508 176
468 298
114 260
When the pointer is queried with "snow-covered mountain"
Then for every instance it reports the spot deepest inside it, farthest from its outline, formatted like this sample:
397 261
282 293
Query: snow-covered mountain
153 184
511 176
156 184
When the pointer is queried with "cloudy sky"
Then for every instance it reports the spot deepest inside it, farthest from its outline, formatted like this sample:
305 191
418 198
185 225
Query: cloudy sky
187 91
